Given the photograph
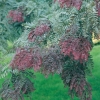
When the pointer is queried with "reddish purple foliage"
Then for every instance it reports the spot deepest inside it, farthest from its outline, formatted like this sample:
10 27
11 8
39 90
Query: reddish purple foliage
74 77
65 3
78 48
52 61
15 15
31 36
77 4
80 85
98 7
24 59
68 3
38 31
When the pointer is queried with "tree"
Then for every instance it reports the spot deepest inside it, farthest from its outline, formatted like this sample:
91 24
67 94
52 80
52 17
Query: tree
56 37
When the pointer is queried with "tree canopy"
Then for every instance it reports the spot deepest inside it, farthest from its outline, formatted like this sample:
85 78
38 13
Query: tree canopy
50 37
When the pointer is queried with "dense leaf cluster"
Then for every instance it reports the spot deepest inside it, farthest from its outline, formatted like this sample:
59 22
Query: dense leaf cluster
98 7
16 16
25 59
52 61
74 76
17 86
71 3
78 48
38 31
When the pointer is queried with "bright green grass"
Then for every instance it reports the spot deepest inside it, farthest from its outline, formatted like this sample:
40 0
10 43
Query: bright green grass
95 79
52 88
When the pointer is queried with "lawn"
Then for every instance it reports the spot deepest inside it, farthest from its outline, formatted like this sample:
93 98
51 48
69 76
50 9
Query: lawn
52 88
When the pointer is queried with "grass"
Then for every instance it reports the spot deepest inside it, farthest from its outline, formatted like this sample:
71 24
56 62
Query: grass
95 79
52 88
